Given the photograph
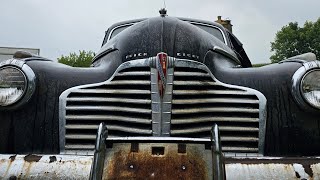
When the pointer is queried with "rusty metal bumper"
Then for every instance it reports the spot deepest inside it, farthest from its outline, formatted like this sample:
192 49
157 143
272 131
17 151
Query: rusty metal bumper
45 166
78 167
273 168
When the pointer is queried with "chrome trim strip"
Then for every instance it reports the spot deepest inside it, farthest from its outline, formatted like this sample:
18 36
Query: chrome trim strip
208 25
96 171
13 62
225 53
161 108
167 100
117 27
159 139
156 100
31 79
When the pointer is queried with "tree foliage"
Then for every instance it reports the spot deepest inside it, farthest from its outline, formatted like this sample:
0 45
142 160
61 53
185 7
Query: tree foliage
293 40
83 59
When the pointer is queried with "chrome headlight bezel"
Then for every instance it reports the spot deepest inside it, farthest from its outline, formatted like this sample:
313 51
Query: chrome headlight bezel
297 80
30 82
14 87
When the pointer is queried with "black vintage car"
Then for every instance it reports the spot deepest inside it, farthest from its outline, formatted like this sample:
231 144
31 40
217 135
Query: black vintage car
162 77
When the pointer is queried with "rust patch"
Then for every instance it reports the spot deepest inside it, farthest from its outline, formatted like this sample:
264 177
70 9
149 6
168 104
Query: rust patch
308 169
13 178
32 158
27 167
134 147
12 158
52 159
144 165
182 148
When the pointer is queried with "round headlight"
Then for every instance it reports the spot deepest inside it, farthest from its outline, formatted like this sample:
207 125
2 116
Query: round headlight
310 88
13 84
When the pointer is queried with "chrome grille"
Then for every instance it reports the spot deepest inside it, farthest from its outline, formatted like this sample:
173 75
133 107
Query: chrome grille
130 105
123 103
199 101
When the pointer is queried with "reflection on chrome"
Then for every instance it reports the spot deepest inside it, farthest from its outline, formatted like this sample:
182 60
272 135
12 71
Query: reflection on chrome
9 95
313 97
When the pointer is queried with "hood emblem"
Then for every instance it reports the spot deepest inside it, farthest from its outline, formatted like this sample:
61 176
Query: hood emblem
187 55
162 66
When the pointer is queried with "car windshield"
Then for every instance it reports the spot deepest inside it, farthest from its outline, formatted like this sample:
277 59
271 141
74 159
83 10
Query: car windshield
210 29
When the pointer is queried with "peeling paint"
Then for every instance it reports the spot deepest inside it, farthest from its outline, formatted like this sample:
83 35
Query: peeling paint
12 158
32 158
45 167
308 169
12 177
52 159
158 161
298 168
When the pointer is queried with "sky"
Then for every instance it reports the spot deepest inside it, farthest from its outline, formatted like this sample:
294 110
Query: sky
60 27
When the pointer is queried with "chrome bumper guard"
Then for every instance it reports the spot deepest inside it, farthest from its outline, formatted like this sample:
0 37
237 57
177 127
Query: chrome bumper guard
157 157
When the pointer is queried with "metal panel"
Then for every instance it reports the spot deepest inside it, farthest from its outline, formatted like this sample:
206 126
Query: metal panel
78 167
145 164
273 168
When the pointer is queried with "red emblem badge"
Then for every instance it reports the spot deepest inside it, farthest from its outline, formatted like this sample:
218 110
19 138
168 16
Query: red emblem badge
162 65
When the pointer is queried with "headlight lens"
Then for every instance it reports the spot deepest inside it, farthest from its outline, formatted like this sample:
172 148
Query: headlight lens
13 85
310 88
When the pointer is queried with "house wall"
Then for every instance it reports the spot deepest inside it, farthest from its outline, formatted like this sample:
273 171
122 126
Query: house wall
8 52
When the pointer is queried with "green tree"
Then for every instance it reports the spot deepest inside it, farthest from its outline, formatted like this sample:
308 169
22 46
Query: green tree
293 40
84 59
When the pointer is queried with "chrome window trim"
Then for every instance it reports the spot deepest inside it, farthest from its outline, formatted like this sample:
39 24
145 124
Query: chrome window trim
214 26
117 27
30 79
297 77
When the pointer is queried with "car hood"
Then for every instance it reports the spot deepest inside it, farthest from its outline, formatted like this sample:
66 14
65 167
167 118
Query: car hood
175 37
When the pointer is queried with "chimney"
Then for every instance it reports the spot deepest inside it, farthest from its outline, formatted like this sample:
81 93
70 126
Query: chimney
225 23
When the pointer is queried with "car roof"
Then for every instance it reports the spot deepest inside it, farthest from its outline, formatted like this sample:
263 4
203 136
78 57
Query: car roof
142 19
